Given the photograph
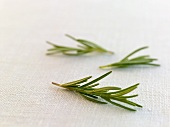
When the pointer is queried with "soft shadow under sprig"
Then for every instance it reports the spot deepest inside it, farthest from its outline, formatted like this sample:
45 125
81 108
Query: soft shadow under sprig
84 47
102 95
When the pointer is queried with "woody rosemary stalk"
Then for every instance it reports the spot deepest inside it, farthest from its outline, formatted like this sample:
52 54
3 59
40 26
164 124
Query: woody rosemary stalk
103 95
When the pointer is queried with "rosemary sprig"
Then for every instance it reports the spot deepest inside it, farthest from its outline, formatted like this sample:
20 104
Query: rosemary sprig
84 47
103 95
126 62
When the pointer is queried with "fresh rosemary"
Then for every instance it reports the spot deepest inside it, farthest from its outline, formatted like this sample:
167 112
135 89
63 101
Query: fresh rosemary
103 95
126 62
84 48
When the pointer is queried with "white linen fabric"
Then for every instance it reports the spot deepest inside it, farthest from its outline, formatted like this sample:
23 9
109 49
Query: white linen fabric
27 97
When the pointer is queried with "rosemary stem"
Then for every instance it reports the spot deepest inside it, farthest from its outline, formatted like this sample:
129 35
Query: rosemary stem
56 84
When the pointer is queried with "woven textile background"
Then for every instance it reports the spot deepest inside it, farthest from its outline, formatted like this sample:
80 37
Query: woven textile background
27 97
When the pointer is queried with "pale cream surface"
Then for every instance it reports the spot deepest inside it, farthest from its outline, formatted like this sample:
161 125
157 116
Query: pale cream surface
27 97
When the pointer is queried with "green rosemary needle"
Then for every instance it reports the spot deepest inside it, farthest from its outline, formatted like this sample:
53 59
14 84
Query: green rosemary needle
84 48
102 95
126 62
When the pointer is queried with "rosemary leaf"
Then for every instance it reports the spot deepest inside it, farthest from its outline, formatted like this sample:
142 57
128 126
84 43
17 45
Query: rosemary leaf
92 99
77 81
97 79
119 105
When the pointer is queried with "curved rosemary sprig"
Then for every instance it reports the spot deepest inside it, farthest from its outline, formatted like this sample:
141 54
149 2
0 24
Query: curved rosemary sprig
126 62
103 95
84 48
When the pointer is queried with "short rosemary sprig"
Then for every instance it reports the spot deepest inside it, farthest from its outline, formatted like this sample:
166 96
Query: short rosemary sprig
126 62
84 48
103 95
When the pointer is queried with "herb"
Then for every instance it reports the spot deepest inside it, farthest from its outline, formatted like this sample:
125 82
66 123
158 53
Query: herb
126 62
103 95
84 48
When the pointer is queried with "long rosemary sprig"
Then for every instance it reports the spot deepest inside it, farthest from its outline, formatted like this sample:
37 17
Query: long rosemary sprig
84 47
102 95
126 62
